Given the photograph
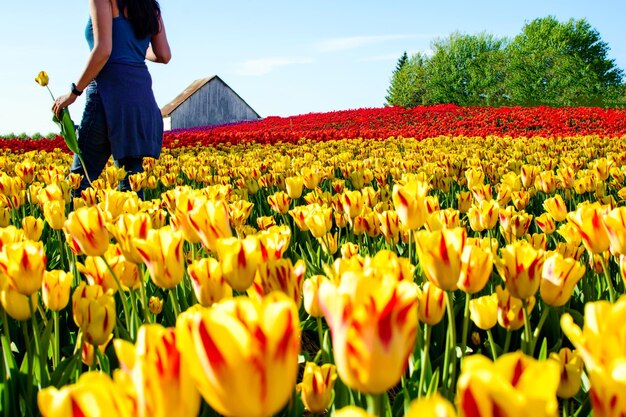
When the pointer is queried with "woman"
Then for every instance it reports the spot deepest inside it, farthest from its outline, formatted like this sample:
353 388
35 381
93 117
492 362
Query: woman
121 116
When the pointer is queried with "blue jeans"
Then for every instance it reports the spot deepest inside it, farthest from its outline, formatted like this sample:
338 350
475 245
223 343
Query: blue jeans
94 145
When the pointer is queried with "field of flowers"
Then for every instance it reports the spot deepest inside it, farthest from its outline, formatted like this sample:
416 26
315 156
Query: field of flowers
437 261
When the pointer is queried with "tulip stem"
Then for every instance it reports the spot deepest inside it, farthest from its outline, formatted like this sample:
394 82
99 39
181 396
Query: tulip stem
38 352
566 408
528 343
425 360
121 293
449 360
144 298
9 361
492 345
375 404
607 277
320 335
542 320
466 314
175 305
56 347
507 341
62 259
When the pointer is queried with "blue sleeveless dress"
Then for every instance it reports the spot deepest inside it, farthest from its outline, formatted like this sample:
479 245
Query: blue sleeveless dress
134 121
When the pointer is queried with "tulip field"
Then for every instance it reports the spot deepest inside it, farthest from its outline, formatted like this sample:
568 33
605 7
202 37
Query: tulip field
436 261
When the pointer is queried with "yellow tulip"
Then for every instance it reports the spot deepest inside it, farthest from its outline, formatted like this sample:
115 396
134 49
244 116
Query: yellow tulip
207 281
520 199
279 275
93 395
162 252
434 406
126 229
600 344
33 227
317 385
515 385
298 214
615 223
528 174
319 220
349 249
99 318
520 267
390 226
239 211
432 304
17 305
241 348
55 290
273 242
439 254
373 325
81 297
571 365
510 309
23 264
54 214
546 182
86 228
155 305
409 203
310 291
88 351
588 224
42 78
555 207
474 177
159 373
484 311
476 267
559 278
265 222
25 170
294 187
546 223
464 199
211 222
239 259
279 202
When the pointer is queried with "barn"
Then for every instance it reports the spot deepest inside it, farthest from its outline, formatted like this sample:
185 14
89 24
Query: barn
207 101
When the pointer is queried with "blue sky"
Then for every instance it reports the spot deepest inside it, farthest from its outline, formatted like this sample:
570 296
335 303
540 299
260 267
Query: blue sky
282 57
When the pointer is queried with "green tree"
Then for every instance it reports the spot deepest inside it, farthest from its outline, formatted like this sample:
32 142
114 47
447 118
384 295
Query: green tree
401 61
466 70
560 64
408 83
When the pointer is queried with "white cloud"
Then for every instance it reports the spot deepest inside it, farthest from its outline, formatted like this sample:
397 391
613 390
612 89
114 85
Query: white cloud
262 66
351 42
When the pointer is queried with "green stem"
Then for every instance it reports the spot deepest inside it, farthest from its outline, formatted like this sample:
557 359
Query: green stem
56 348
62 258
607 277
320 335
121 293
175 305
375 404
7 356
492 345
542 320
38 352
507 341
144 299
424 361
566 408
466 315
528 341
449 362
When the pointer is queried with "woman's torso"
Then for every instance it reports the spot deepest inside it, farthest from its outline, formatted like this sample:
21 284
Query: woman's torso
126 48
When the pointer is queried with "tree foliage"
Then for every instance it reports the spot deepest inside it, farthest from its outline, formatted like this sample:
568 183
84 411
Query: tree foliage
549 63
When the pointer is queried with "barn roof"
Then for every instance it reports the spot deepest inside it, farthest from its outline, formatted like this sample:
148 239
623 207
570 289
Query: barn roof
190 90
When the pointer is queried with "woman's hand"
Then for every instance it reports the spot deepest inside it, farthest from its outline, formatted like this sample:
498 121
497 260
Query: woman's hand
62 102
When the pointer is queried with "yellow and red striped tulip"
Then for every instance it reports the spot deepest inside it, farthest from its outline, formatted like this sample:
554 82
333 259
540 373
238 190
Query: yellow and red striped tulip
126 229
513 385
239 211
55 289
390 226
162 252
528 173
615 223
546 223
239 259
538 241
279 275
210 220
556 207
207 281
86 229
571 365
298 214
352 203
25 170
520 267
476 267
23 265
409 203
475 177
97 317
242 348
310 291
600 344
329 243
464 199
17 305
546 182
33 227
373 325
273 242
158 372
279 202
520 199
510 309
559 278
316 388
432 303
588 224
484 311
93 395
319 220
439 254
54 214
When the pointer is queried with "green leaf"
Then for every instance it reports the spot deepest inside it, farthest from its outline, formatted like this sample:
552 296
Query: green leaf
543 353
68 131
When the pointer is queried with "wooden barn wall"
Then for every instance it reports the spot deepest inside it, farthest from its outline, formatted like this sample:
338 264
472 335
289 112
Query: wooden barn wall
213 104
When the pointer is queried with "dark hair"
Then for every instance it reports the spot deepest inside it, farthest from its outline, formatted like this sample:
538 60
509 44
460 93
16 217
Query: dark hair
143 16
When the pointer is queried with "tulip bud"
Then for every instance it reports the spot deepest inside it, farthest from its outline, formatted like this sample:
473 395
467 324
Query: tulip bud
155 305
434 406
559 278
520 266
162 252
15 303
310 290
439 254
42 78
208 283
86 228
33 227
484 311
571 365
316 387
54 214
476 267
55 290
432 304
239 259
409 203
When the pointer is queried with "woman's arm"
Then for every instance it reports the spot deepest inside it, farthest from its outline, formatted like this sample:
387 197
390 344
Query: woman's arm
159 49
102 22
